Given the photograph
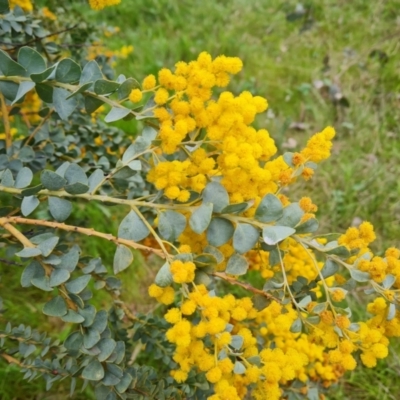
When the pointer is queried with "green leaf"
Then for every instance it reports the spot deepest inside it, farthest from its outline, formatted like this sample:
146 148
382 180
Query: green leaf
45 92
28 252
296 326
133 228
359 276
90 338
76 188
80 90
43 283
9 89
106 347
126 88
31 60
330 268
116 113
4 7
74 173
340 251
55 307
77 285
23 89
91 72
291 216
310 226
68 71
60 209
72 317
245 237
92 104
239 368
51 180
9 67
73 343
29 204
200 219
64 107
171 224
100 321
237 265
24 178
94 371
237 342
219 231
125 383
235 208
70 260
88 313
48 245
305 301
216 194
123 258
42 76
33 270
270 209
218 255
94 179
59 276
7 179
102 86
164 276
275 234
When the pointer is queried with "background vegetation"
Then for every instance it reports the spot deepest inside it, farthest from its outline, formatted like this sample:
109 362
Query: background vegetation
318 63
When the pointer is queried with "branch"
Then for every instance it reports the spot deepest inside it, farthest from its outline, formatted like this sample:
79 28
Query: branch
71 228
246 286
39 38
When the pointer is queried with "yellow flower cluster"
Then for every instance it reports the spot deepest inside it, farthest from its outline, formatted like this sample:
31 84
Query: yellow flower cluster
358 238
26 5
100 4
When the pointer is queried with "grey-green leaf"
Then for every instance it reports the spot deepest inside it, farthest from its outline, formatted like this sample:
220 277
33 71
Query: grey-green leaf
56 307
64 107
239 368
60 209
59 276
245 237
296 326
291 216
123 258
94 371
42 76
330 268
29 204
219 231
31 60
77 285
237 265
68 71
117 113
216 194
200 219
23 89
310 226
48 245
28 252
24 178
91 72
359 276
106 347
102 86
171 224
275 234
270 209
133 228
164 276
9 67
75 173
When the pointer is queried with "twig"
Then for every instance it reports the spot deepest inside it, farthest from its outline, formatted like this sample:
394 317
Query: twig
42 122
246 286
39 38
71 228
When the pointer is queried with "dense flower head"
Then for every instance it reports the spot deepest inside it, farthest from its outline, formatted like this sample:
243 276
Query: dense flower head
100 4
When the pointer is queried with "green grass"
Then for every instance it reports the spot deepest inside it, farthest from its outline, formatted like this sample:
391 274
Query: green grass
282 62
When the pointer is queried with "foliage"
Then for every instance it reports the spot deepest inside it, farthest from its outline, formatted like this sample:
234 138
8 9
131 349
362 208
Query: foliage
204 190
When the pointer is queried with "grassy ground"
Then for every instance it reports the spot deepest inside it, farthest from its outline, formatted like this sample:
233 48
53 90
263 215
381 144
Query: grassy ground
334 62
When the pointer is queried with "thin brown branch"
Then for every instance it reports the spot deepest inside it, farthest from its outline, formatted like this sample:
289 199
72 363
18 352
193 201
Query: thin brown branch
39 38
246 286
71 228
37 129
